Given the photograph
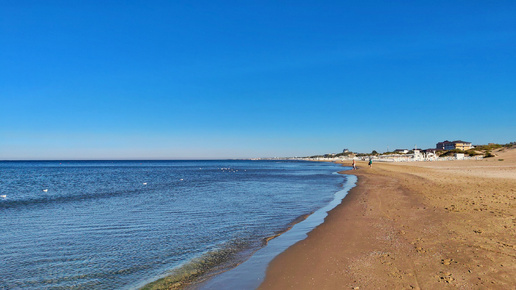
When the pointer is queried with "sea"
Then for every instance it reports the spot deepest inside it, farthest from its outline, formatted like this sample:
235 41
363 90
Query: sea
135 224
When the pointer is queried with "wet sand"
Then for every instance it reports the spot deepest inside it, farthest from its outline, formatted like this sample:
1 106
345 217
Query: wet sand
427 225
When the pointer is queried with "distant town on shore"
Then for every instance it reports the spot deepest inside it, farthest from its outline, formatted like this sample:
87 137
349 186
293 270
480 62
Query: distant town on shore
445 150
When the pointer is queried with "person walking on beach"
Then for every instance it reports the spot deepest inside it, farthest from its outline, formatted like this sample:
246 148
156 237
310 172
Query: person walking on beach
354 165
370 162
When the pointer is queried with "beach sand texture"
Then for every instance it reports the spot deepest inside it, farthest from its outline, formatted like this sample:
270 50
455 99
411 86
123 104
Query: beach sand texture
419 225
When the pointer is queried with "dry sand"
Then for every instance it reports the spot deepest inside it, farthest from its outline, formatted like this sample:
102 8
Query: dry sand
420 225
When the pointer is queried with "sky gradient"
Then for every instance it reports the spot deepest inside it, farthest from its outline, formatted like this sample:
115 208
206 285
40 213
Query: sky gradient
239 79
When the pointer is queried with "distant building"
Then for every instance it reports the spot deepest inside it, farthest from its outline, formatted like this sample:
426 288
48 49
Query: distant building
430 153
452 145
417 155
401 151
345 151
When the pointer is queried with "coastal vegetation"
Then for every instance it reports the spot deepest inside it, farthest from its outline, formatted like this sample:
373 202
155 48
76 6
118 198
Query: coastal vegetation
453 152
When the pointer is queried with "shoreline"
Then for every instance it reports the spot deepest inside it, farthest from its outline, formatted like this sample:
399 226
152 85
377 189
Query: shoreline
418 225
251 273
215 264
189 276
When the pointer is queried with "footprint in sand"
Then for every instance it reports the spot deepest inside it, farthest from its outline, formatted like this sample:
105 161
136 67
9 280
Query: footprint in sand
447 261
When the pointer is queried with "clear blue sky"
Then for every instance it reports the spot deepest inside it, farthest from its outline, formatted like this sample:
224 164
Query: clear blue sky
230 79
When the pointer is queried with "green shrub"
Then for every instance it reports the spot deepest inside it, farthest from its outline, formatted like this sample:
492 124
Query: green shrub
488 147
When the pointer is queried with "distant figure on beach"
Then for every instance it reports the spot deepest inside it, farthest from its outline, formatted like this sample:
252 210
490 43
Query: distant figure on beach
370 162
354 165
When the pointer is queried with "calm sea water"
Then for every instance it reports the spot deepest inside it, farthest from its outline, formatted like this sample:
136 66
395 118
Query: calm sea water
120 224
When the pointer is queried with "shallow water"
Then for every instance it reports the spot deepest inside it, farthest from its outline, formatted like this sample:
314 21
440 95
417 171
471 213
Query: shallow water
251 273
100 226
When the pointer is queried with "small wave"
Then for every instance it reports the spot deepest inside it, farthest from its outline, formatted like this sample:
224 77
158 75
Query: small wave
290 225
202 268
78 281
6 203
212 263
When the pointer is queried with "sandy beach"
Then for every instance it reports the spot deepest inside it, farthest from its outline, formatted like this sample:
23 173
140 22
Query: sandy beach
418 225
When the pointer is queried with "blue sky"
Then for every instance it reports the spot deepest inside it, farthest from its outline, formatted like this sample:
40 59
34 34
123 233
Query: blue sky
233 79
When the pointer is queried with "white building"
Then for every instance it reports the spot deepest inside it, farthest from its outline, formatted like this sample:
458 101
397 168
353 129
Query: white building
418 155
459 156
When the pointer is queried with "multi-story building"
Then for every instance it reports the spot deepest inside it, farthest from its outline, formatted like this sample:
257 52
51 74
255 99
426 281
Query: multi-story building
451 145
